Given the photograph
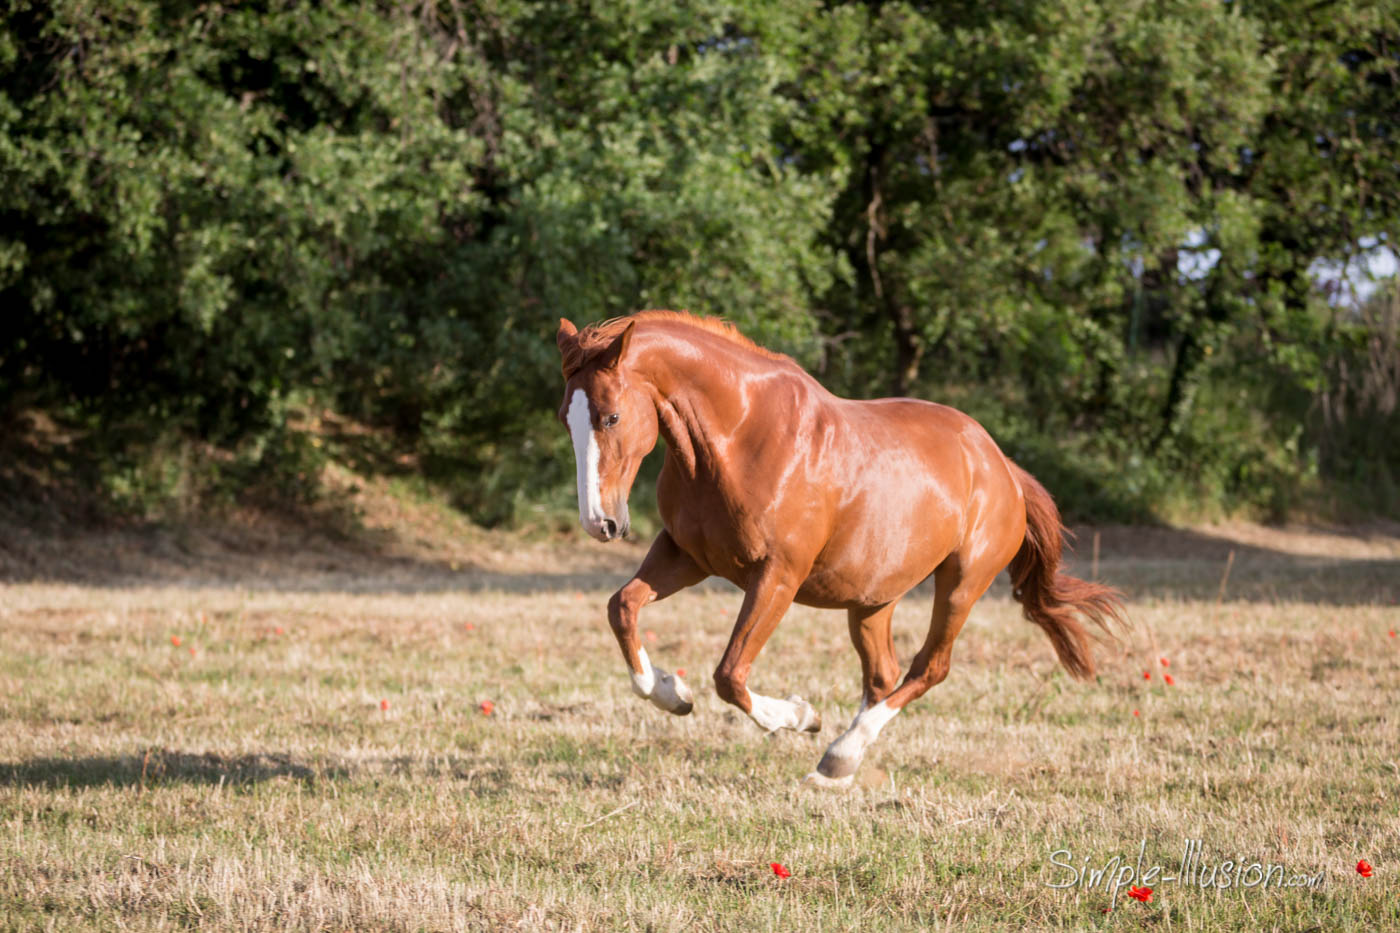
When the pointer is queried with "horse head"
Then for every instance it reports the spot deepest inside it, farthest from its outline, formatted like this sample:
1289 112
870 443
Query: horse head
611 417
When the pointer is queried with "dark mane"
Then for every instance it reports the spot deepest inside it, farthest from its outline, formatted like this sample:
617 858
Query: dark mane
595 337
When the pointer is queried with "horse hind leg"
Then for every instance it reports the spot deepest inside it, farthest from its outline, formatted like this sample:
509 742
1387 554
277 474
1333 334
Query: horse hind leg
874 643
955 591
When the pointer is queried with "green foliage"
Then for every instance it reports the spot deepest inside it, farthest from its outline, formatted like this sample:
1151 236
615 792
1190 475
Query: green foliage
1098 227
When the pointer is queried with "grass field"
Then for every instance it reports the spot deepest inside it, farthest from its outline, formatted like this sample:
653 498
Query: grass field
252 777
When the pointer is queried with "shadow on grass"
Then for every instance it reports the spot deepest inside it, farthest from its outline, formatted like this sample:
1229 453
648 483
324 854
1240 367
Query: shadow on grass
163 767
159 766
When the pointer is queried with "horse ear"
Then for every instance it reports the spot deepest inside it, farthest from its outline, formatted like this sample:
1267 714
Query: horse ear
568 334
612 356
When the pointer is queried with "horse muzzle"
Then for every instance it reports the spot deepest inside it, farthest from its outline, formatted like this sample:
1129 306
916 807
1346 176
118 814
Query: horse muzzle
608 528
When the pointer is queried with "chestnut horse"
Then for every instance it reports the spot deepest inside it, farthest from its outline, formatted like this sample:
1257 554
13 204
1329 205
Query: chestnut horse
796 495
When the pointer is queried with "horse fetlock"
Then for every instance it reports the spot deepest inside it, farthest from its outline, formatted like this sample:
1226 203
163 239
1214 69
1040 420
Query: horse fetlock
644 684
807 718
772 714
662 688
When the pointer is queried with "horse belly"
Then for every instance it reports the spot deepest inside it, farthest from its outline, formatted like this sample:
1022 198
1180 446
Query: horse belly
885 543
870 575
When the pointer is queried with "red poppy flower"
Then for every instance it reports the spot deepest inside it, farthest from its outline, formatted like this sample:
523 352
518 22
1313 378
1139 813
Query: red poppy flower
1363 868
175 640
1168 679
779 870
1392 633
1136 713
1165 662
468 626
384 705
487 707
1140 894
192 651
680 672
1146 675
279 630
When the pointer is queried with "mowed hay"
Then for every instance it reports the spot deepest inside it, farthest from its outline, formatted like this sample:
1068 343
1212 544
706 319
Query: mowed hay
259 782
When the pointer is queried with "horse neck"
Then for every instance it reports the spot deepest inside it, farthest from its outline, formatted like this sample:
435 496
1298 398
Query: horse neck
694 380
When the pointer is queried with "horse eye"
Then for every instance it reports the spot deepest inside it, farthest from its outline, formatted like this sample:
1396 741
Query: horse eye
610 420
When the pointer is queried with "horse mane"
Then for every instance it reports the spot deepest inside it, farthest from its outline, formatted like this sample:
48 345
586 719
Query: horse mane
596 337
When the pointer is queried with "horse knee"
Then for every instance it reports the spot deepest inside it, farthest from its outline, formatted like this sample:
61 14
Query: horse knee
623 606
729 687
885 678
615 611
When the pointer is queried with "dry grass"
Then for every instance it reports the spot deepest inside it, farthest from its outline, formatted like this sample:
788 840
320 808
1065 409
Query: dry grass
258 784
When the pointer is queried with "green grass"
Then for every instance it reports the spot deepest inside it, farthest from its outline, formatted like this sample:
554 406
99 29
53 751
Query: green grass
257 784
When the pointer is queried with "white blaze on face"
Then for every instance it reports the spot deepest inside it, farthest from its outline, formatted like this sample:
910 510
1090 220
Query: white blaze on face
590 498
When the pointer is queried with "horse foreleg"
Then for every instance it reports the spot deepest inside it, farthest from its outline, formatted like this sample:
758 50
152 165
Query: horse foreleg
763 608
665 570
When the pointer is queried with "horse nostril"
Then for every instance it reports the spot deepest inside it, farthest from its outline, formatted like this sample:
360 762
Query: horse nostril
609 528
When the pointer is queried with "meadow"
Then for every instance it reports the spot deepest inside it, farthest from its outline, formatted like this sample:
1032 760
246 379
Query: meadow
315 741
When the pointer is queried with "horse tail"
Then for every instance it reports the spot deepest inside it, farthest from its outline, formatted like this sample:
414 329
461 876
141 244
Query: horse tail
1052 599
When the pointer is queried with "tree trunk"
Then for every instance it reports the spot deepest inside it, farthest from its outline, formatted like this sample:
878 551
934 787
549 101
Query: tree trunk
908 349
1188 358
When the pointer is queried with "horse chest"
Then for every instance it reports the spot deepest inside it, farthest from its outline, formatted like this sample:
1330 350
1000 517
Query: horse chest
705 526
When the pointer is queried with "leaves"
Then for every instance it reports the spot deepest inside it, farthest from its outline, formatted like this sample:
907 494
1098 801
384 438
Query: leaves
1098 228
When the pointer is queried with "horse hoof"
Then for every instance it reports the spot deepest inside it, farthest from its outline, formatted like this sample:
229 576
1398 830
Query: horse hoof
822 782
672 695
837 767
675 706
